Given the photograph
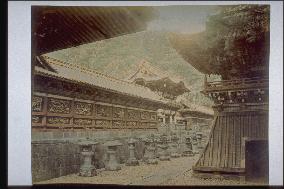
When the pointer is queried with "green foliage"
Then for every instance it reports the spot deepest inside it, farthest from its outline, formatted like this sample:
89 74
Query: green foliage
237 39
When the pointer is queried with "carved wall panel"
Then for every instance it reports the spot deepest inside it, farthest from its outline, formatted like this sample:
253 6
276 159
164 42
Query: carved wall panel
153 116
153 124
79 121
103 123
37 104
83 108
144 125
118 123
131 123
59 106
103 111
36 119
118 113
58 120
145 115
133 114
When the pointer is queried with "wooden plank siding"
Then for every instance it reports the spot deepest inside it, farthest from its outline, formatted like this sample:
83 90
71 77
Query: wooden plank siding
225 149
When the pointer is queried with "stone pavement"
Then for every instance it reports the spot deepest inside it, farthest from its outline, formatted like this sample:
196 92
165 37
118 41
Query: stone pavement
174 172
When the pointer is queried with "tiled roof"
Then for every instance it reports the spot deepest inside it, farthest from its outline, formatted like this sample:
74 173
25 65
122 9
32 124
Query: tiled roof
197 108
84 75
153 73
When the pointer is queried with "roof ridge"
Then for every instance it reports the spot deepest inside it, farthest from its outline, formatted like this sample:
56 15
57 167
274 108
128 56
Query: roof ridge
153 68
90 71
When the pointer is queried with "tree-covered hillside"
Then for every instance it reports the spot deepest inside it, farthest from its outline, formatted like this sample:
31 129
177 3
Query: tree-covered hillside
120 56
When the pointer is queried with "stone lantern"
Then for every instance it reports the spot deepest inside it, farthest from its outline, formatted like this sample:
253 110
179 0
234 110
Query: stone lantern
112 164
87 169
174 147
163 146
188 151
149 155
132 161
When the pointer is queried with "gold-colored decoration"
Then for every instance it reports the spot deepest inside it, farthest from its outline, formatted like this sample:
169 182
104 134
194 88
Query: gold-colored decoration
118 123
37 104
102 123
153 116
58 120
83 121
131 123
153 124
59 106
133 114
145 115
118 113
36 119
144 125
103 111
83 108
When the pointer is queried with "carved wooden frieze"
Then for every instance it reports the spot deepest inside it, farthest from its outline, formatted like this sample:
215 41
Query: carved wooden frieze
145 115
58 120
133 114
240 96
118 113
118 123
131 123
102 123
36 119
83 108
79 121
103 111
143 124
153 116
37 104
153 124
59 106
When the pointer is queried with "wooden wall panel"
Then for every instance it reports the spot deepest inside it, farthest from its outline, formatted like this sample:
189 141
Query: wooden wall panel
225 149
60 112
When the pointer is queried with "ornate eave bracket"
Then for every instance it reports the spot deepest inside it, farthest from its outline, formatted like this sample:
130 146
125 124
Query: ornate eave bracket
238 94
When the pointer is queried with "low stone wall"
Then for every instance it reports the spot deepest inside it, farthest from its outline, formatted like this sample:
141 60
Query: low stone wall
51 159
56 154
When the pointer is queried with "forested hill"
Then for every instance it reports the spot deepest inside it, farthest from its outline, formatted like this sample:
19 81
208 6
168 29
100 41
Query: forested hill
120 56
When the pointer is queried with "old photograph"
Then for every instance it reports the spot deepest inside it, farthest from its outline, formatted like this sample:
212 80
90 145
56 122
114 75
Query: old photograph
150 95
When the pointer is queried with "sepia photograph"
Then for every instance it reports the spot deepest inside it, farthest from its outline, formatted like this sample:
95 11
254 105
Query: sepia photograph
150 95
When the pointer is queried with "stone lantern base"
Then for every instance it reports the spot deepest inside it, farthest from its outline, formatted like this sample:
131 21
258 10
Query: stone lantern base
165 158
87 171
175 155
152 161
188 153
132 162
113 168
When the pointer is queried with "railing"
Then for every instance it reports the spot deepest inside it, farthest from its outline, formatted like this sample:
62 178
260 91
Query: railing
240 83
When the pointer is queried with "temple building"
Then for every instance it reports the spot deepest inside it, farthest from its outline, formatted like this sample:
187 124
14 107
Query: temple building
164 85
67 97
238 142
158 81
198 117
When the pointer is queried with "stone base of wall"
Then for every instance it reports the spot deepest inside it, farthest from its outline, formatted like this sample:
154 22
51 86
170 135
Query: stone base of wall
56 154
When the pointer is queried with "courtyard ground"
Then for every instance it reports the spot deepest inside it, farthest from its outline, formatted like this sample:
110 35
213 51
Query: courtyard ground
175 172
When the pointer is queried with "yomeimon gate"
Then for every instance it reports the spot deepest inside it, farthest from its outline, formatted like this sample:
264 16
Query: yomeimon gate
237 49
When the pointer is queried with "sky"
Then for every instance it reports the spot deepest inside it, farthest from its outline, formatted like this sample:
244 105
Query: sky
183 19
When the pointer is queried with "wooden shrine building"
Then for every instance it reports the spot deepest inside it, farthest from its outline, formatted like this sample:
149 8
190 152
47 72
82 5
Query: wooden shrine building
238 143
198 117
70 97
164 85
